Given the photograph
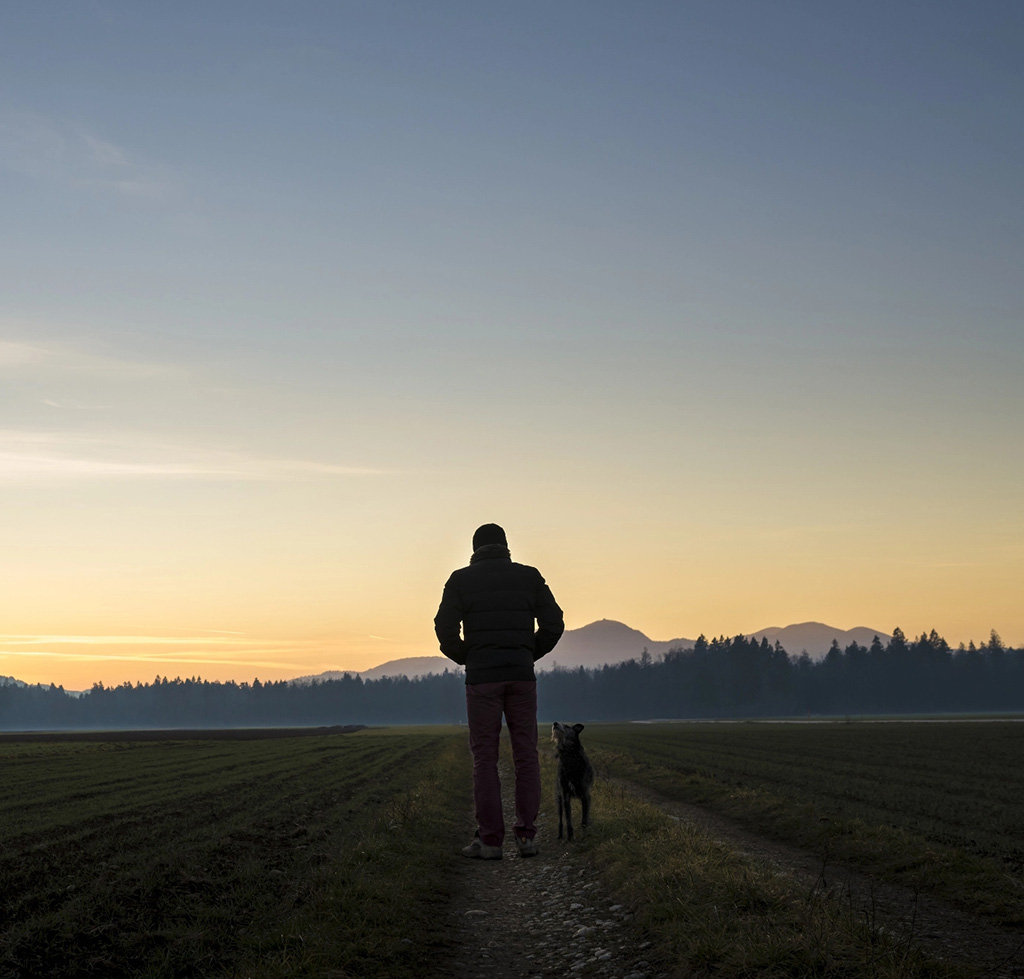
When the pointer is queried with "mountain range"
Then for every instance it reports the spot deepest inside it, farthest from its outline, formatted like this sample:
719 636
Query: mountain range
816 637
607 642
410 666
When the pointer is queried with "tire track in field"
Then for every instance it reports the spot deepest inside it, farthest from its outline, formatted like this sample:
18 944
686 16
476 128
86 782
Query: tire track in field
540 917
919 919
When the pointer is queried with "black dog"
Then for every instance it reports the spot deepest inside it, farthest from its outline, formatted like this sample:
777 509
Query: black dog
575 774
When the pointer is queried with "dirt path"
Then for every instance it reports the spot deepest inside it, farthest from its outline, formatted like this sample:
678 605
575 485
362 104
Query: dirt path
551 915
539 917
919 919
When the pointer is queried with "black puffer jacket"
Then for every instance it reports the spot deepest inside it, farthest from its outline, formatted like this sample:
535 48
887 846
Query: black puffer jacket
497 602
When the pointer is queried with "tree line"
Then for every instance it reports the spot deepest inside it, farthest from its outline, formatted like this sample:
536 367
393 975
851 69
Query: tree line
715 678
742 677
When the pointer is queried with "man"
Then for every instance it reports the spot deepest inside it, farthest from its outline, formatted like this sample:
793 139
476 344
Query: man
497 602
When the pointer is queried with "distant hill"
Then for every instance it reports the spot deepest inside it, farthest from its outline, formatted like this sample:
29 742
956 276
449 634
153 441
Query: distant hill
816 637
591 646
608 642
410 666
605 642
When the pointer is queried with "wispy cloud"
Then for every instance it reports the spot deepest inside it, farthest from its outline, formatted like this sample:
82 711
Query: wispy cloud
158 650
49 453
157 659
72 405
27 456
57 358
14 353
35 639
58 152
103 153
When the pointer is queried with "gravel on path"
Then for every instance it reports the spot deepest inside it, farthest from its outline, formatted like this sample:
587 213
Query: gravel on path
539 917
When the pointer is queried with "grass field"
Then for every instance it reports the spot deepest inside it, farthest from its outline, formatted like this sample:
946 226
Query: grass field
297 856
333 855
936 806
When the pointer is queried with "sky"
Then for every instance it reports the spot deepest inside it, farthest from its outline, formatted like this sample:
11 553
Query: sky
716 307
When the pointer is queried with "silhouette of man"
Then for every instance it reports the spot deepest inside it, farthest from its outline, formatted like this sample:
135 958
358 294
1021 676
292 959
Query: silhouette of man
498 602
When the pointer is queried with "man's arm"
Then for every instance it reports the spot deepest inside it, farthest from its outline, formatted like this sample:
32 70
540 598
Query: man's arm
447 623
550 624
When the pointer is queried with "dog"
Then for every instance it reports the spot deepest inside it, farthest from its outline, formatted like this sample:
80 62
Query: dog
575 775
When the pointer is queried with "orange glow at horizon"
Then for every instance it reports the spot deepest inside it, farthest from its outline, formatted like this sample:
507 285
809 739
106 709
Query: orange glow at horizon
289 580
322 633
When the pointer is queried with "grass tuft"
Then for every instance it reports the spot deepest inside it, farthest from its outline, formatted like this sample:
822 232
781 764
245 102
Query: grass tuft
711 911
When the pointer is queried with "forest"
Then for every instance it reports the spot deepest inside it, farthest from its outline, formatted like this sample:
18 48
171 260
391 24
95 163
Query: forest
717 678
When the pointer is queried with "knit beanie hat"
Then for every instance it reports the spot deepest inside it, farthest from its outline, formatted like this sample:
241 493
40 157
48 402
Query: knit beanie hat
489 533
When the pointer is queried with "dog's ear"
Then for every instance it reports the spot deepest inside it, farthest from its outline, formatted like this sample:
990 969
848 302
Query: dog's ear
577 728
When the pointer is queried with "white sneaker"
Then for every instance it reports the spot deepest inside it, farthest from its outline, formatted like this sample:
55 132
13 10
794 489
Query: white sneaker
527 846
481 851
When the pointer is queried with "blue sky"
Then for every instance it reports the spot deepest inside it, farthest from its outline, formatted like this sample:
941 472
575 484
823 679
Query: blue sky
682 293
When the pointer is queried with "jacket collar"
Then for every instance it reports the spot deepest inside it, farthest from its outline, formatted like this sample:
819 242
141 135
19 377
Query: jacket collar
489 551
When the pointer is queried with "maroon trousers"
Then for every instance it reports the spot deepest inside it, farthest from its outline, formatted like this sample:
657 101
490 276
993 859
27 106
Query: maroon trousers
485 705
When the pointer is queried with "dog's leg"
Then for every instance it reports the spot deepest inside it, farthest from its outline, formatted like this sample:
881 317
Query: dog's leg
568 817
558 796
